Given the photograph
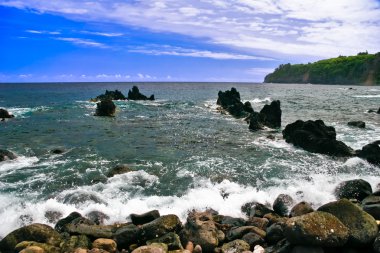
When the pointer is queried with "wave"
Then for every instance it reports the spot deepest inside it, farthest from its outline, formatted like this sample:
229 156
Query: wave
367 96
24 112
18 163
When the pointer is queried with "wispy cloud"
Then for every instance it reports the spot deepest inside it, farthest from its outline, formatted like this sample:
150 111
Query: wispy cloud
43 32
104 34
83 42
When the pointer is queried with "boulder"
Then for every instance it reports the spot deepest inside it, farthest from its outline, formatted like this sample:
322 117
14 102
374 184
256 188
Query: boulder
230 101
270 115
153 248
140 219
353 189
362 226
73 242
105 244
119 169
33 249
275 233
301 209
60 226
359 124
316 137
200 229
371 152
97 217
253 239
316 229
6 155
282 246
237 246
28 245
230 221
248 107
57 151
135 94
371 205
110 95
35 232
126 236
4 114
239 232
105 108
171 239
255 123
160 227
255 209
282 204
261 223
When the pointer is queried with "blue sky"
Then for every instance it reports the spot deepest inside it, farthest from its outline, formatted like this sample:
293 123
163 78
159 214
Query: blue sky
171 40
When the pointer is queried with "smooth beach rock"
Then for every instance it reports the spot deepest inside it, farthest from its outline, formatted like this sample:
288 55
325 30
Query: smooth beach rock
228 220
316 137
253 239
275 233
36 232
33 249
353 189
171 239
153 248
97 217
275 218
126 236
282 204
105 244
371 205
119 169
74 242
270 115
160 227
135 94
316 229
197 249
6 155
255 209
371 152
359 124
236 246
4 114
110 95
301 209
28 245
239 232
105 108
230 101
140 219
258 249
200 229
362 226
261 223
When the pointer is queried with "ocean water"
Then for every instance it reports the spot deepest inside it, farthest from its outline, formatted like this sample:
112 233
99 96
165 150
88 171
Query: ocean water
184 154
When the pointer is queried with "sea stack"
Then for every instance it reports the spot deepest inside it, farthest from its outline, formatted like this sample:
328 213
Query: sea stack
135 94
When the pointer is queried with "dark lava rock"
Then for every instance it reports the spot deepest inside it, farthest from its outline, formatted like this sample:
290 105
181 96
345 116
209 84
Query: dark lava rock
57 151
4 114
301 209
160 227
60 226
97 217
248 107
74 242
362 226
135 94
126 236
119 169
353 189
254 209
282 204
6 155
316 137
371 152
270 115
105 108
282 246
255 123
239 232
230 101
371 205
275 233
359 124
140 219
253 239
36 232
261 223
316 229
171 239
237 246
110 95
378 111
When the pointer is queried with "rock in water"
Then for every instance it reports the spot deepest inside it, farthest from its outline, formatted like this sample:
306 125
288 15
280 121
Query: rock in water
371 152
359 124
353 189
105 108
230 101
282 204
270 115
119 169
140 219
371 205
255 123
378 111
6 155
4 114
110 95
362 226
316 229
135 94
301 209
316 137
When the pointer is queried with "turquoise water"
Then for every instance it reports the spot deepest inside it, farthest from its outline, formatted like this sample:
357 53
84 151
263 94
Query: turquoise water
184 153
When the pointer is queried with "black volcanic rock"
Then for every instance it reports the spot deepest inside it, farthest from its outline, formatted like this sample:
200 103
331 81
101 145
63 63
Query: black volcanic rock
110 95
270 115
105 108
359 124
6 155
316 137
135 94
4 114
371 152
230 101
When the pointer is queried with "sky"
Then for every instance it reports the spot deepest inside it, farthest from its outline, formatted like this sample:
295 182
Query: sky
177 40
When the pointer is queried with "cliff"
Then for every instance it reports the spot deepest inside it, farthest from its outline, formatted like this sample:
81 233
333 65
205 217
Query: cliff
362 69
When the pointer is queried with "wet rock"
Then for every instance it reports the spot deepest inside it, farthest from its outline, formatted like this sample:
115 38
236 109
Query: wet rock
353 189
301 209
282 204
248 107
91 230
53 216
140 219
378 111
33 249
200 229
253 239
275 233
4 114
119 169
105 108
228 220
78 198
258 249
371 152
275 218
230 101
6 155
359 124
306 249
255 122
316 137
270 115
261 223
255 209
135 94
60 226
171 239
57 151
237 246
239 232
97 217
371 205
110 95
36 232
73 242
362 226
105 244
160 227
282 246
376 244
316 229
153 248
126 236
28 245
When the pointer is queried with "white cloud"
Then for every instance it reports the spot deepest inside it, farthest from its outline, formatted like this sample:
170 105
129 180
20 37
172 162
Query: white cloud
104 34
43 32
307 27
83 42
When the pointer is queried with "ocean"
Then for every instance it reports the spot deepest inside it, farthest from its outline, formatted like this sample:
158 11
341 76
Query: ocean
184 153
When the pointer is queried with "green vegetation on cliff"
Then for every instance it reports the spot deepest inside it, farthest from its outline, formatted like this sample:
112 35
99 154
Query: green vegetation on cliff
363 68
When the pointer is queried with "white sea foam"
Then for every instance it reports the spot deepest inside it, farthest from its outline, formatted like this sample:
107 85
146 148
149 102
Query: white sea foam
18 163
367 96
22 112
261 100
